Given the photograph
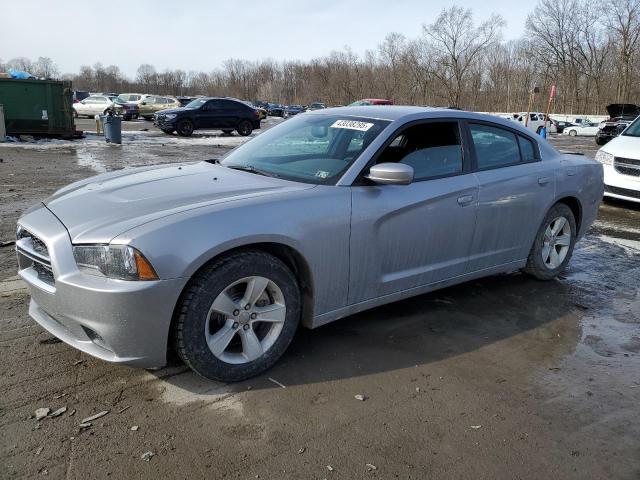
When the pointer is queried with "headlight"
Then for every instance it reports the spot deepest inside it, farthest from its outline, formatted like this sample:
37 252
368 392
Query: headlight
114 261
169 116
604 157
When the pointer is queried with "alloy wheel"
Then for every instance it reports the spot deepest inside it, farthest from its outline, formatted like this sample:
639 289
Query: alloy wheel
556 242
245 320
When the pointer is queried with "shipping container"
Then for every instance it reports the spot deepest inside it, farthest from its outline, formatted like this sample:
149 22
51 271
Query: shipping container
37 107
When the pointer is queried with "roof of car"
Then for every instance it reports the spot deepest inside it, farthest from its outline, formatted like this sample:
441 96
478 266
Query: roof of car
383 112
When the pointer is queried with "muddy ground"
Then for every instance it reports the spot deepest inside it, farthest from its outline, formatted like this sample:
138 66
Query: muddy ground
505 377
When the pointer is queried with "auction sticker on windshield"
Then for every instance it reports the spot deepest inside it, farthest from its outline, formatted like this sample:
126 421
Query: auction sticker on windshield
352 125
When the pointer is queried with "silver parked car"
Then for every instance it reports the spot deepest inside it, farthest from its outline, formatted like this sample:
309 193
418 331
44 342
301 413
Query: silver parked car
330 213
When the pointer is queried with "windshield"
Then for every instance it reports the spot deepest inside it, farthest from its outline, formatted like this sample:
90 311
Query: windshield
308 148
196 103
633 130
359 103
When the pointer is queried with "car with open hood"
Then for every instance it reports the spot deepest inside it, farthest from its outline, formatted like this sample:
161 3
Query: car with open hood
325 215
620 117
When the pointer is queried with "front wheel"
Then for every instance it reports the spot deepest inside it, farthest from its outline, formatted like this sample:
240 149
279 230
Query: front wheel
237 316
553 245
245 128
185 128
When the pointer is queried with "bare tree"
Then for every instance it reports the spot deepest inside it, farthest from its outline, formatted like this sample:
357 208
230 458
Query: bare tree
624 21
458 45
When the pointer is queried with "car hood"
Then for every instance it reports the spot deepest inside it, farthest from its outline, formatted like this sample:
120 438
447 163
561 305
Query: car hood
624 146
626 109
98 209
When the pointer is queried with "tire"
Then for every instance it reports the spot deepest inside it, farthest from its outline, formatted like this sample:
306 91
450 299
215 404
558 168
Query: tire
194 325
227 131
106 112
184 128
147 117
126 118
537 265
168 132
245 128
600 141
572 133
75 114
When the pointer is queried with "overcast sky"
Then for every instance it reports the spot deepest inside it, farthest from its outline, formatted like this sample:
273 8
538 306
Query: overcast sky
200 35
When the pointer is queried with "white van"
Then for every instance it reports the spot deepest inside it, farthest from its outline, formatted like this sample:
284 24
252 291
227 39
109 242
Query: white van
621 161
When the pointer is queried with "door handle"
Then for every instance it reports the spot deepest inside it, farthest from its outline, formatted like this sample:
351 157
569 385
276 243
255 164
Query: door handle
465 200
543 180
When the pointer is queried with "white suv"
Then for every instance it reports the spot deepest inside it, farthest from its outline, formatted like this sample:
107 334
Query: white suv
621 161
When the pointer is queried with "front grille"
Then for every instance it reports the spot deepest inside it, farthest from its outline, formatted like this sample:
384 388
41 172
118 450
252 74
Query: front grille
625 192
33 252
627 166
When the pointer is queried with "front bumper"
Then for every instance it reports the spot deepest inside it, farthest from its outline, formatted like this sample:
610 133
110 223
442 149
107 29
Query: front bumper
119 321
618 185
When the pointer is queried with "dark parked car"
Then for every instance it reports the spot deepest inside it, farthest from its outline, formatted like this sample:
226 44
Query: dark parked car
275 110
561 125
209 113
316 106
621 115
292 110
128 110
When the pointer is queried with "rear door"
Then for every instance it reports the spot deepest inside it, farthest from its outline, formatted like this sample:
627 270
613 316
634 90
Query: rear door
407 236
230 113
515 188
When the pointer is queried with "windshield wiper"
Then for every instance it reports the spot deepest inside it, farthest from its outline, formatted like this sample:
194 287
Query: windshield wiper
250 169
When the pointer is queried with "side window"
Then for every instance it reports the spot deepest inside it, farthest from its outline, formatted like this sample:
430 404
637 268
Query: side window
228 106
433 149
212 105
494 146
533 117
527 149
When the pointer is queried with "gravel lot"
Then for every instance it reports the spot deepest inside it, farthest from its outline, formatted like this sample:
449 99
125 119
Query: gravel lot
505 377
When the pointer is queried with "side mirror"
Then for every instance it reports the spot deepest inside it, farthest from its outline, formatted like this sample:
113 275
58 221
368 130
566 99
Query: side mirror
391 174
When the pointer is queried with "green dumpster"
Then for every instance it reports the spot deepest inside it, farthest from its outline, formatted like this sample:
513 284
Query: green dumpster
37 107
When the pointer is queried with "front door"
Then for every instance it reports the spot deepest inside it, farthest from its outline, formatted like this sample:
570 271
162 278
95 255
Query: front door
407 236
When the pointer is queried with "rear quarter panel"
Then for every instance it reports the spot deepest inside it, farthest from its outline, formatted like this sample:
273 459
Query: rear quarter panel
581 177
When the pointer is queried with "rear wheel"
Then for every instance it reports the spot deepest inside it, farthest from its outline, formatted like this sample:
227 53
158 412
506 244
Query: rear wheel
185 128
573 133
238 316
245 128
553 245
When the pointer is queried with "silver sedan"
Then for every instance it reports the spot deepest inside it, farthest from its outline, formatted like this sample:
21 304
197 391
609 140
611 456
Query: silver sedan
330 213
